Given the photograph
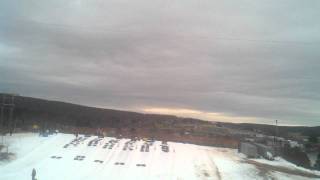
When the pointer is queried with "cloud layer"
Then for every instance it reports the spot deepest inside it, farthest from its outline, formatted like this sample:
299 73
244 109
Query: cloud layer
250 61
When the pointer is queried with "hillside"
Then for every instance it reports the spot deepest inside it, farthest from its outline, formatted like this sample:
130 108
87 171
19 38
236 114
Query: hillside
32 110
71 118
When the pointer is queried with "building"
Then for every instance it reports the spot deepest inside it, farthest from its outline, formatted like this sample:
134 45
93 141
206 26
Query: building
250 150
265 151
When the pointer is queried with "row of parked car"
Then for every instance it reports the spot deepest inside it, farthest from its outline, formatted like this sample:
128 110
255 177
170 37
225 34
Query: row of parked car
98 161
164 146
79 158
110 144
56 157
95 141
118 163
145 148
129 145
75 142
141 165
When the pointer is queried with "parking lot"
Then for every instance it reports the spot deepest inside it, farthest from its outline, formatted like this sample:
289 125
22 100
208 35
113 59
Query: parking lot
132 154
64 157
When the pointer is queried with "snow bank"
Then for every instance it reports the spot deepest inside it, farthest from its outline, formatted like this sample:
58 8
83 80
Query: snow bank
278 161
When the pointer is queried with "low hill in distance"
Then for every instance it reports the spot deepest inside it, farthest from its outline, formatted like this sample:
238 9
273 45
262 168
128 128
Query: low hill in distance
76 118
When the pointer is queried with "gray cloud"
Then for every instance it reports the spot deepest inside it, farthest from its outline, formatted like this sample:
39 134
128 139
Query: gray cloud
253 59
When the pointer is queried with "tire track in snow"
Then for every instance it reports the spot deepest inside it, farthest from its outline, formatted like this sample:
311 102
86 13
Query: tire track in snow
99 154
215 167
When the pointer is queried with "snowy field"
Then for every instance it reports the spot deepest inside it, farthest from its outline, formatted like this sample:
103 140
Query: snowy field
63 157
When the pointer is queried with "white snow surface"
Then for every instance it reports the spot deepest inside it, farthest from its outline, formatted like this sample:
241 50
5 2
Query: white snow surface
278 161
182 162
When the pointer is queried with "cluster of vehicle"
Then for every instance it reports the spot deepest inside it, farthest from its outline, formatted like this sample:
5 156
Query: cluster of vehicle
110 144
145 147
141 165
119 163
56 157
79 158
164 146
147 144
129 145
98 161
95 141
76 141
150 141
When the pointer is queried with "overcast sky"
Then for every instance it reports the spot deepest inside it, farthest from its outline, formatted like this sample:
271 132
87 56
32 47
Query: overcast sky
239 61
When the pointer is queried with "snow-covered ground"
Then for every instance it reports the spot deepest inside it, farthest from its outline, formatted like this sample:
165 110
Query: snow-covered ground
279 162
183 161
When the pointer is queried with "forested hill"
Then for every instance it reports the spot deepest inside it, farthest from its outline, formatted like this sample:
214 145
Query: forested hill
30 111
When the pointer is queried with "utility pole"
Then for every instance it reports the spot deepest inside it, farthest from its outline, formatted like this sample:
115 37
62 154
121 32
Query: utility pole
1 118
12 124
7 103
277 130
275 139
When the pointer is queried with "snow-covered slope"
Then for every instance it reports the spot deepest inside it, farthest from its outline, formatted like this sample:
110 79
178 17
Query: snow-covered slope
107 159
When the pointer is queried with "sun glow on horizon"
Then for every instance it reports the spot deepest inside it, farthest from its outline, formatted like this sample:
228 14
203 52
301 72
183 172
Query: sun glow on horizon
192 113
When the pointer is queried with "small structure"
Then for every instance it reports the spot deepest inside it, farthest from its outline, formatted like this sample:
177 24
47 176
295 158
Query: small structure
265 151
45 133
35 127
250 150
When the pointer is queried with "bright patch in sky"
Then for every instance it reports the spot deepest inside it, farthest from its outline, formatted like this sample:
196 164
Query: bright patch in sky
211 116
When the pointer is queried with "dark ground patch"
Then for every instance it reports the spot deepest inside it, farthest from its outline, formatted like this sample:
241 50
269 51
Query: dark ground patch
4 156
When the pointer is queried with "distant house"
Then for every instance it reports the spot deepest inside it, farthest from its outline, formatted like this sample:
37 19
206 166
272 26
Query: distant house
293 144
250 150
35 127
255 150
260 135
297 136
275 141
265 151
249 139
